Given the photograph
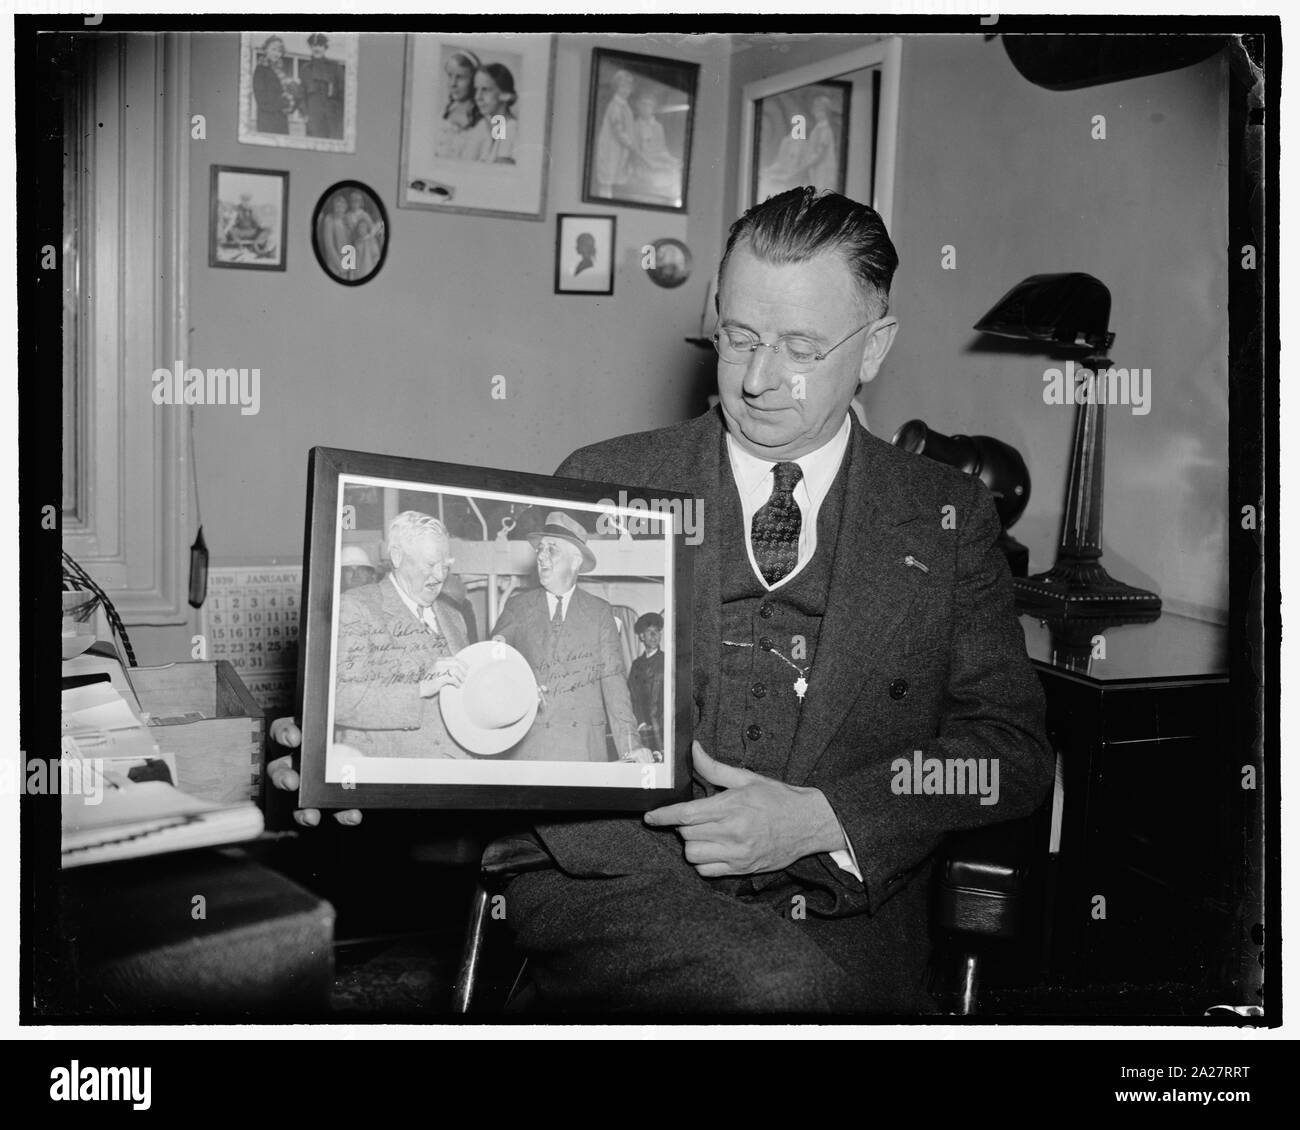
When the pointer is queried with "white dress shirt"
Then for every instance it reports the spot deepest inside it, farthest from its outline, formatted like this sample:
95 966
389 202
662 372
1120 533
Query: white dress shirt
424 613
755 482
563 601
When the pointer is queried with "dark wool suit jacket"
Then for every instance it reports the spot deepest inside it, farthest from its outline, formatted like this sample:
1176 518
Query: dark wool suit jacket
580 668
946 637
384 652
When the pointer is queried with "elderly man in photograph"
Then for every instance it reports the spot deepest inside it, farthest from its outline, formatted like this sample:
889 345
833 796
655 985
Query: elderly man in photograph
851 611
569 639
398 639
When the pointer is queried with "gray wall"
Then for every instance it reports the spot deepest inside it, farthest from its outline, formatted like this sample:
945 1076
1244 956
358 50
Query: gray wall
1004 171
1007 173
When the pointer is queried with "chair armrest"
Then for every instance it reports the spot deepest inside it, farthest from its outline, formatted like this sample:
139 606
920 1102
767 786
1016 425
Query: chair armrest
981 885
514 854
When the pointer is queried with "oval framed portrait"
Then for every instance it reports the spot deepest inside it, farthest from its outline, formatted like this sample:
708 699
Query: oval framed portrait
349 233
672 263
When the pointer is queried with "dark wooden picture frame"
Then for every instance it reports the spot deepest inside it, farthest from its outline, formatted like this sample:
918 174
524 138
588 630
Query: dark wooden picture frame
369 252
600 255
493 518
655 171
239 235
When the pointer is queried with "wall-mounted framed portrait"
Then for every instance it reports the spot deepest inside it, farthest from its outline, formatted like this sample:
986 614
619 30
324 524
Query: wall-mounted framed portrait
476 122
640 116
515 641
584 253
298 90
801 136
832 124
248 218
349 233
667 262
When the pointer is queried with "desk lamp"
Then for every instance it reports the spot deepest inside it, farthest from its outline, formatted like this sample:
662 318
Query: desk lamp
1068 314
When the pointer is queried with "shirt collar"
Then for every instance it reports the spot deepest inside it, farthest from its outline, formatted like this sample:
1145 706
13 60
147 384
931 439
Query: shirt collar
818 466
415 609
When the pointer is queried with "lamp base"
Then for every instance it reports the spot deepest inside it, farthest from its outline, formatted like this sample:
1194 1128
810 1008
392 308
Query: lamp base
1083 589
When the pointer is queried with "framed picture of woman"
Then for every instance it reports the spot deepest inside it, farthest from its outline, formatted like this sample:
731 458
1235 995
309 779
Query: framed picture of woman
298 90
349 233
476 124
640 115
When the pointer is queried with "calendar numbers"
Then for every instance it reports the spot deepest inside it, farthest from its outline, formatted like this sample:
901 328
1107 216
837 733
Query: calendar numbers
251 619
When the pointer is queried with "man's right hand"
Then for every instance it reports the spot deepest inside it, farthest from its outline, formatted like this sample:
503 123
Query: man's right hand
285 732
445 673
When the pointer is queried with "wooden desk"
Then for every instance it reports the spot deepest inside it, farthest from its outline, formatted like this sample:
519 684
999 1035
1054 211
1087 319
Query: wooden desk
1154 819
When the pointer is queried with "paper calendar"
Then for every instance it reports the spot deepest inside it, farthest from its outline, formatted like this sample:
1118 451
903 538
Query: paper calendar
250 617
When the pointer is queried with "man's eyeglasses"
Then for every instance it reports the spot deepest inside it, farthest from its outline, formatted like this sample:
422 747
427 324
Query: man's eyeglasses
800 355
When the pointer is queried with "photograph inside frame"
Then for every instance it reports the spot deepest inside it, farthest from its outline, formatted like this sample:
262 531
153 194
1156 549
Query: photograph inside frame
484 637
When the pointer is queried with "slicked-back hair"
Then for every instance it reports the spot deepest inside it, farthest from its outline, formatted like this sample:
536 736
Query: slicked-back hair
802 223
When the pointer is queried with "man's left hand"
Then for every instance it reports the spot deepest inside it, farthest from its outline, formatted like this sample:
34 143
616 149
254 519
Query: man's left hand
755 824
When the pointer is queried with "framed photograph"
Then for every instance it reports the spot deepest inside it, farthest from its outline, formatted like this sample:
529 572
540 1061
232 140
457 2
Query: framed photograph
298 90
584 254
667 262
476 123
640 115
249 218
801 136
475 638
349 233
832 124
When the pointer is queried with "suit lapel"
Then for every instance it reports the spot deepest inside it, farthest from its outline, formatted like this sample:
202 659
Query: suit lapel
870 597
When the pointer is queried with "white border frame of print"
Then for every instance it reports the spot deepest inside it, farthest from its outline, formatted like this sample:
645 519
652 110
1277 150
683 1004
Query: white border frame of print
251 42
516 191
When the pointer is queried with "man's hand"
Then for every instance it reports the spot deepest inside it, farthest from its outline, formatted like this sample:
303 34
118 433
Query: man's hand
756 824
445 673
285 732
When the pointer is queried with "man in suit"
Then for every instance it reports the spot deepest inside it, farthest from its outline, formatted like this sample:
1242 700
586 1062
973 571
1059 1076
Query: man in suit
570 641
322 85
850 609
397 646
645 681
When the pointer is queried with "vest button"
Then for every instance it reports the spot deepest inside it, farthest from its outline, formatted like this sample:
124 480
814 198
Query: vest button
765 642
758 690
766 611
898 688
753 733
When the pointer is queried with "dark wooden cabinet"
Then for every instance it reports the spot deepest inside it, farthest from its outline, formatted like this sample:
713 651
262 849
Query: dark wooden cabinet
1152 823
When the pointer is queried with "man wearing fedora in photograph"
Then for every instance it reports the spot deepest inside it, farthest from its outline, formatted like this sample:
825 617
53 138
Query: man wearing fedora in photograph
569 638
851 611
398 640
322 85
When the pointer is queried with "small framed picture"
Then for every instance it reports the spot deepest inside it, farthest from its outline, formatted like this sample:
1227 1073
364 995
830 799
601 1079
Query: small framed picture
801 136
476 124
298 90
640 115
584 254
475 638
667 262
349 233
249 217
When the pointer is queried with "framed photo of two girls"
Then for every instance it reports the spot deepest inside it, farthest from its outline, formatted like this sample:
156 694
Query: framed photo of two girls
476 122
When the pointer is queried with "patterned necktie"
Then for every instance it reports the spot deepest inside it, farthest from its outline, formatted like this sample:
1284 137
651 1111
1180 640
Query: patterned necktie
557 620
774 532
